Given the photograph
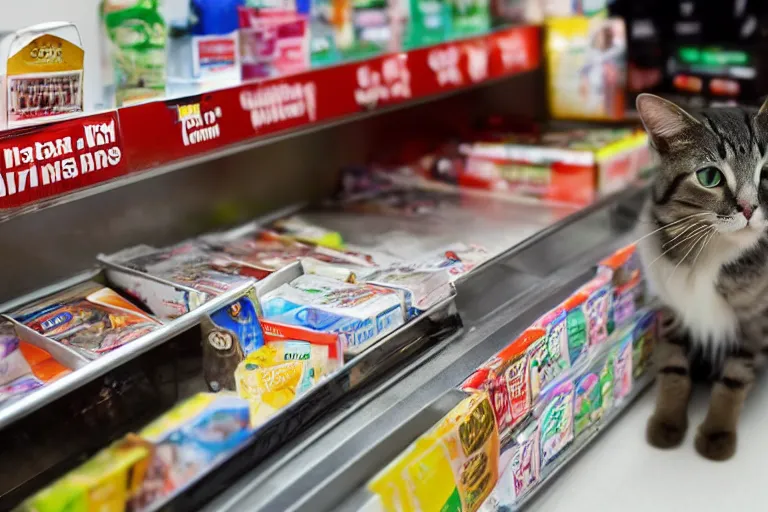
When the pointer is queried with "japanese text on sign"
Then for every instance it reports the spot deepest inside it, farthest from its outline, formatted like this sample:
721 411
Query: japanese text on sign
391 83
48 162
274 104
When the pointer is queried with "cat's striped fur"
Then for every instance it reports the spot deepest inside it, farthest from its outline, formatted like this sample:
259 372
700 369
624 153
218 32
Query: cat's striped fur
706 257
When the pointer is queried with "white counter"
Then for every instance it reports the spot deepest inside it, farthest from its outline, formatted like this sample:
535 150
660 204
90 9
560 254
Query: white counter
621 472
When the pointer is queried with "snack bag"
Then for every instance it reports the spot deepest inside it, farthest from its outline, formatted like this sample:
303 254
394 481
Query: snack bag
556 421
506 379
549 355
453 466
520 471
628 286
106 482
576 326
593 394
644 337
597 304
188 441
88 317
621 357
360 314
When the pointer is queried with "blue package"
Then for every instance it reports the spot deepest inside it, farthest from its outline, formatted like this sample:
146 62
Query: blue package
360 314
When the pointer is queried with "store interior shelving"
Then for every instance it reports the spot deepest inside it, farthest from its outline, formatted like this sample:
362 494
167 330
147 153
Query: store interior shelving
325 467
272 148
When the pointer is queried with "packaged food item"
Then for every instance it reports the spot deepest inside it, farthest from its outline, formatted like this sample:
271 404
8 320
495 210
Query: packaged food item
428 23
520 471
330 29
41 74
458 259
469 18
229 335
273 376
23 366
177 279
108 481
577 327
360 314
419 289
549 356
644 337
204 49
621 357
597 304
506 379
137 35
88 317
593 394
274 42
257 255
299 229
587 67
562 165
275 332
556 421
187 442
628 286
453 466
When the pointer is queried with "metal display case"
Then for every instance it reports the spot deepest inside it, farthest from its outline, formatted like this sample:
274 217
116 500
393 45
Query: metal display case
325 467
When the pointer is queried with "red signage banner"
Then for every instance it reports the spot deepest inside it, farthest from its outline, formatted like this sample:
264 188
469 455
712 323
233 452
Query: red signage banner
56 159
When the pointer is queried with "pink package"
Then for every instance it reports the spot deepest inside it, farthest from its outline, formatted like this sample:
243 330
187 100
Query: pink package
272 43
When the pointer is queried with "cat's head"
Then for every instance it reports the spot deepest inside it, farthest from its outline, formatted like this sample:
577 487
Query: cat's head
711 169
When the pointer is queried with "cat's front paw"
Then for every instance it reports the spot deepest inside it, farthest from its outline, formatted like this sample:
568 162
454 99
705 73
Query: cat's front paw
665 433
716 445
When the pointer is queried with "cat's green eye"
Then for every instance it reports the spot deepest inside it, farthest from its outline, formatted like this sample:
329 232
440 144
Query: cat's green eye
709 177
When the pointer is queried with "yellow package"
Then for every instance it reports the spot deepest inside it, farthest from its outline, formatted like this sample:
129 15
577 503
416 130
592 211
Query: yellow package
105 483
271 377
452 467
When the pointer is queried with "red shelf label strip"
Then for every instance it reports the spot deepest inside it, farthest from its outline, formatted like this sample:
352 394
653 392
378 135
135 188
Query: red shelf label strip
43 162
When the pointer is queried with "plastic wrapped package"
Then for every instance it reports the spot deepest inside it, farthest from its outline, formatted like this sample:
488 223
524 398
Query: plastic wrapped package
360 314
89 317
453 466
24 367
419 289
506 378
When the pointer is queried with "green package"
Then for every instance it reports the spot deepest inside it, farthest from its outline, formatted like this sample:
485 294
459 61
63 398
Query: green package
137 35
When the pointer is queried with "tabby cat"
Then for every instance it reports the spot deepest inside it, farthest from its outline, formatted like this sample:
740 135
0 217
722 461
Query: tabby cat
706 257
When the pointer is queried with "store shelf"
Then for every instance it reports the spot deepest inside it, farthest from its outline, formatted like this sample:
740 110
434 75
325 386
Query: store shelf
69 157
108 362
327 464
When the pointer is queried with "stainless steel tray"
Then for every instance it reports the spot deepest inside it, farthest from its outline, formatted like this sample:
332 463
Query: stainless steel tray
89 371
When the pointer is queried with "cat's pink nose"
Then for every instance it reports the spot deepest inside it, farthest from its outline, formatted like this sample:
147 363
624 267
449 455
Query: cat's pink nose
747 209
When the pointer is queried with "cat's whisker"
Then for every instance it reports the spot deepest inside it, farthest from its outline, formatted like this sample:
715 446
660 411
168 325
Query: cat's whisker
697 231
685 229
710 236
693 246
667 226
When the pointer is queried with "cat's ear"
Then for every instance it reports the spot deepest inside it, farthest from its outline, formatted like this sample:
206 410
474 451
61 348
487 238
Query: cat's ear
764 109
663 119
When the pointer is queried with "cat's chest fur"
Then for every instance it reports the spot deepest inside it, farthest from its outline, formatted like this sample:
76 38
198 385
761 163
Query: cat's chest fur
712 304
